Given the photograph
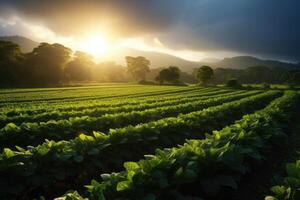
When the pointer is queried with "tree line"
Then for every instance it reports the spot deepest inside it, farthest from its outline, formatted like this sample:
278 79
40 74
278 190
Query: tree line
55 64
47 64
258 74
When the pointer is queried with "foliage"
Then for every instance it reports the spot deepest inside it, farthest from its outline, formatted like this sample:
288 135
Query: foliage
45 64
10 63
65 129
81 156
290 188
204 74
257 75
53 64
97 107
213 165
138 67
57 139
170 74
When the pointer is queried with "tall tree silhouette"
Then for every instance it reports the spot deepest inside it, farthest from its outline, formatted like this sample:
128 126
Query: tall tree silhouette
11 59
46 63
138 67
170 74
204 74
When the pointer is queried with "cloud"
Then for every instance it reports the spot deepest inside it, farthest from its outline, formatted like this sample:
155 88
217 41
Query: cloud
76 17
268 28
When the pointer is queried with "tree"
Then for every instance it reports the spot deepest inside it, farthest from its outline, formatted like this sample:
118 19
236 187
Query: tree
80 68
45 64
170 74
204 74
138 67
11 59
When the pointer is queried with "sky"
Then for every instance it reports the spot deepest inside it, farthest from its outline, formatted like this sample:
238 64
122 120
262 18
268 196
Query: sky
190 29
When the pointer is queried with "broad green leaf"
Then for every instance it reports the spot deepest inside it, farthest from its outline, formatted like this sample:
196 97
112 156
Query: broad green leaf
84 137
99 135
51 143
217 136
43 150
71 196
179 172
130 175
279 190
131 166
20 149
123 185
7 152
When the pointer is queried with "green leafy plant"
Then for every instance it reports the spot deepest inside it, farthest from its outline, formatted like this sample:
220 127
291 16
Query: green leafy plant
290 190
84 154
213 163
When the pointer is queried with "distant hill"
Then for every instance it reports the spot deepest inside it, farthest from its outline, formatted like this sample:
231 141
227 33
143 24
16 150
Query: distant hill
238 62
25 44
210 60
159 60
242 62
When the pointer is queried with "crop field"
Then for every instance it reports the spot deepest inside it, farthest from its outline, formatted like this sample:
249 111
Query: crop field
121 141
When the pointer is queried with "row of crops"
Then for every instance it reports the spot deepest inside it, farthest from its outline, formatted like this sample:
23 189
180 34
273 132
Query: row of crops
139 142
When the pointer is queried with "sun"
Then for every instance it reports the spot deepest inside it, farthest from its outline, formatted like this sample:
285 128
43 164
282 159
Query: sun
95 45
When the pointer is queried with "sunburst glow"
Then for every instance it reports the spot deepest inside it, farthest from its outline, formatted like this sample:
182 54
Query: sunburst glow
96 45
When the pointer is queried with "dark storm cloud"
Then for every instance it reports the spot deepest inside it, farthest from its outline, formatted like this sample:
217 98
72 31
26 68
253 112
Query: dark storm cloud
268 28
75 16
